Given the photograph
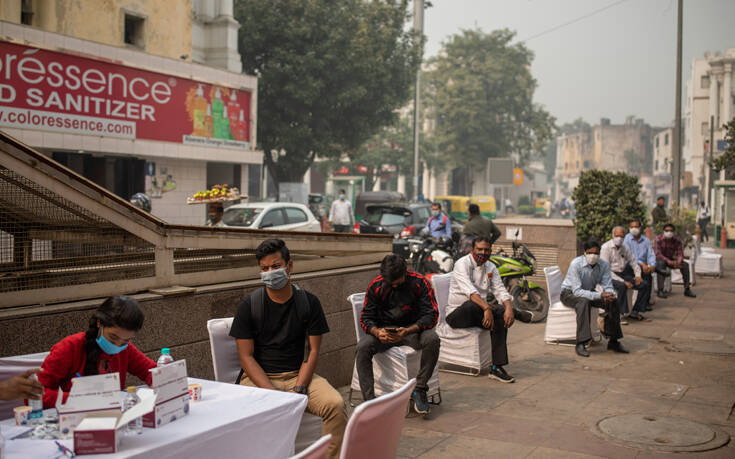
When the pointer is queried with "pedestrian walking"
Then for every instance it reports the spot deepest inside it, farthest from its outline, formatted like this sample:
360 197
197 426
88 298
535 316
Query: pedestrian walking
703 217
340 214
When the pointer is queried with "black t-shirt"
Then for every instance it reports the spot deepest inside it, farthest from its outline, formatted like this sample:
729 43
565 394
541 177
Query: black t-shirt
279 345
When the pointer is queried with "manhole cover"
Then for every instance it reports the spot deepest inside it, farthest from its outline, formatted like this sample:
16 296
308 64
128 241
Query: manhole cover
664 433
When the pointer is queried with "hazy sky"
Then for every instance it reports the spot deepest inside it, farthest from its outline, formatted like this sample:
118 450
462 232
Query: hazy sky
615 63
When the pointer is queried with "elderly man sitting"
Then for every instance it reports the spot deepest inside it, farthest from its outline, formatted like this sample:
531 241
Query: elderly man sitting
626 274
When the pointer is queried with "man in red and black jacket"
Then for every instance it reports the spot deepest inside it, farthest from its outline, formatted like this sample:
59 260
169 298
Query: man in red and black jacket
400 310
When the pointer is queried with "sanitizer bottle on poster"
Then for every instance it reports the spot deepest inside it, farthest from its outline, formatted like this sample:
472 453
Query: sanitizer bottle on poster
199 112
208 123
224 123
217 104
233 110
240 127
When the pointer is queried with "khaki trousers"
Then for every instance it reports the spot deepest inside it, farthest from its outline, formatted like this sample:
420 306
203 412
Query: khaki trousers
324 401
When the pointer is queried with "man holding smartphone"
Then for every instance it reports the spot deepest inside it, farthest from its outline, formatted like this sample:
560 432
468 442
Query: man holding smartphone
400 310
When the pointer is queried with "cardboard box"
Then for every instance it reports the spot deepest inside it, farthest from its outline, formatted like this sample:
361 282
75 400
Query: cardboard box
88 394
101 432
171 385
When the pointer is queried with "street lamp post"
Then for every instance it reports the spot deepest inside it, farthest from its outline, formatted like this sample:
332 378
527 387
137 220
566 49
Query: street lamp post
418 25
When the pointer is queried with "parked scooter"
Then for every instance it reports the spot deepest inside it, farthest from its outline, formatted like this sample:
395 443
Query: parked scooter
527 295
431 255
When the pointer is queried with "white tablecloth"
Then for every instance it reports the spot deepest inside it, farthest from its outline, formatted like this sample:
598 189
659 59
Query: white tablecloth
230 421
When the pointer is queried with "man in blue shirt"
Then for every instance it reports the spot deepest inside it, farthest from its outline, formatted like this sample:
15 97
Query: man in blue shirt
579 292
439 224
642 250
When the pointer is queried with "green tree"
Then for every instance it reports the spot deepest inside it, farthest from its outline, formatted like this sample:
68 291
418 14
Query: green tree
481 96
727 159
603 200
330 74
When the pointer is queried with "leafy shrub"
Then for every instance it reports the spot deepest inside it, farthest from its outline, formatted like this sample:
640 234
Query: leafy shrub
604 200
525 209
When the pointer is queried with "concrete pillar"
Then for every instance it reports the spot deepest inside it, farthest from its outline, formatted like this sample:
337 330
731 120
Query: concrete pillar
377 183
425 182
329 186
307 180
401 187
727 94
432 186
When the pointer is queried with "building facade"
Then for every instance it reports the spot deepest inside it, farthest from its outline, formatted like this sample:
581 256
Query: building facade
147 97
662 163
709 105
624 147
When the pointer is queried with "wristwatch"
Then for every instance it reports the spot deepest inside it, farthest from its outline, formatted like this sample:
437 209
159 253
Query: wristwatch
301 390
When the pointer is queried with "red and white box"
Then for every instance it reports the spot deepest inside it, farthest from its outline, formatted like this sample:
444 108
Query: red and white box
171 385
101 432
88 394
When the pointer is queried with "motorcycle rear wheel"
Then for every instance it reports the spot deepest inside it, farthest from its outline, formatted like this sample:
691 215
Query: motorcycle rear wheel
533 300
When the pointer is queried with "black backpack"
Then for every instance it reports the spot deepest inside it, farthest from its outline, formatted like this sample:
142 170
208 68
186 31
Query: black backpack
257 312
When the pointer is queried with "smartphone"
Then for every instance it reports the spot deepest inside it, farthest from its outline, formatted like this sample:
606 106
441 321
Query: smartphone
391 329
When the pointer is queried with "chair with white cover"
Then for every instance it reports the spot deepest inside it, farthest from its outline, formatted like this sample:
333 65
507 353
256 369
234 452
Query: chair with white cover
561 321
226 363
318 450
392 368
11 366
461 347
374 429
709 263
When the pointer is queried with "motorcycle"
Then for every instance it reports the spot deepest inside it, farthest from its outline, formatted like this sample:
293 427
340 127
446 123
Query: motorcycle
431 255
527 295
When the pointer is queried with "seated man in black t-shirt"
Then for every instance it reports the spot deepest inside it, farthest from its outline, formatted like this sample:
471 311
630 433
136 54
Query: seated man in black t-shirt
271 327
400 310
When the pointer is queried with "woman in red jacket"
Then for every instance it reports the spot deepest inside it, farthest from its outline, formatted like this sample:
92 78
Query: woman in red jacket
104 348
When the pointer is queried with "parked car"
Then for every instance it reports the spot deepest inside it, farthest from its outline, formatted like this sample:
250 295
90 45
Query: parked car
366 198
399 219
283 216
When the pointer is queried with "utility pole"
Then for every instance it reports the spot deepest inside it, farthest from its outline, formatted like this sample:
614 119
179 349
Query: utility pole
676 142
418 26
711 157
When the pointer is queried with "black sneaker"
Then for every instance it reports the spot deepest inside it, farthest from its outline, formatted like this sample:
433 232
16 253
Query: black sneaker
420 402
661 294
689 293
501 375
523 316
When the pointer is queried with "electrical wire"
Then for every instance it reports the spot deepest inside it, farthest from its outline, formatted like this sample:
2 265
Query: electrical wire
592 13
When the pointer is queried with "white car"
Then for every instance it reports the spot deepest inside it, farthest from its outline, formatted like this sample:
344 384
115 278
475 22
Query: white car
282 216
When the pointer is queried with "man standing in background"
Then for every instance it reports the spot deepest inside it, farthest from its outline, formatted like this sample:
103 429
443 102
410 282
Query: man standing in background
340 214
658 214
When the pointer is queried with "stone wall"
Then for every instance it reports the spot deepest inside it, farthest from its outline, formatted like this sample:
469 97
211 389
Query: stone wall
179 322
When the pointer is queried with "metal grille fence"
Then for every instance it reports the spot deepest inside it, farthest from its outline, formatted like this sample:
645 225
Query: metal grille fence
49 241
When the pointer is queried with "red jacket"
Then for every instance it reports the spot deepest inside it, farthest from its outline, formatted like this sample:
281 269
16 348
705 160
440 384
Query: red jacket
68 356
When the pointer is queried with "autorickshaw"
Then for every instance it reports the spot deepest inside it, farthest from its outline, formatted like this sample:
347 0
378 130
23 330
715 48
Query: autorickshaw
488 208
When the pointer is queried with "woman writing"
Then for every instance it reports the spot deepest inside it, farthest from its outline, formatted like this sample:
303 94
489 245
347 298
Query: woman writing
104 348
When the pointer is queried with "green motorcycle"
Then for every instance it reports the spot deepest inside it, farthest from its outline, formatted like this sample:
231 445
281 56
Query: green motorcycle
527 295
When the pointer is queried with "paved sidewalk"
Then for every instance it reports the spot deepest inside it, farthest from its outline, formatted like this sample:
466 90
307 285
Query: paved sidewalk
682 363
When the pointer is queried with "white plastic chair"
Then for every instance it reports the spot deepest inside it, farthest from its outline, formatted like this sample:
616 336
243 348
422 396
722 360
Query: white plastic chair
226 363
11 366
318 450
461 347
374 429
561 321
392 368
709 263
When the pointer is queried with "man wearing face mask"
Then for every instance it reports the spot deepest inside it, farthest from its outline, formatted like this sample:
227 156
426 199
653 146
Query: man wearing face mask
272 327
626 274
643 252
473 279
340 214
579 292
439 224
670 255
400 310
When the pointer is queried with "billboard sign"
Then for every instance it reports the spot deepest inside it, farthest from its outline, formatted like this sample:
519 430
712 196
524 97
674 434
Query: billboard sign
500 171
54 91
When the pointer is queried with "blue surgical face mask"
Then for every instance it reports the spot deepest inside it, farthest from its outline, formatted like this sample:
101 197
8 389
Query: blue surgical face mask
435 213
341 196
107 347
275 279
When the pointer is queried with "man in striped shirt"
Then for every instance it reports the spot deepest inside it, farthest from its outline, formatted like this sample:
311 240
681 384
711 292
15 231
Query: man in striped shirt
400 310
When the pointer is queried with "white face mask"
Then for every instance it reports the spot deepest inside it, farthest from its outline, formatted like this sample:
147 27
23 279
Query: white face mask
668 234
618 241
592 258
635 231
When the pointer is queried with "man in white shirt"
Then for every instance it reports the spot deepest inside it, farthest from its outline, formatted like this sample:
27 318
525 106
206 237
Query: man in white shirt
340 214
626 273
703 217
472 279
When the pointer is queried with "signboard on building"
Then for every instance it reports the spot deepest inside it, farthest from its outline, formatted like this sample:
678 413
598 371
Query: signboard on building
517 176
54 91
500 171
